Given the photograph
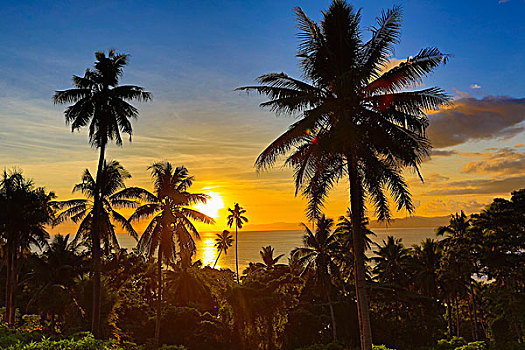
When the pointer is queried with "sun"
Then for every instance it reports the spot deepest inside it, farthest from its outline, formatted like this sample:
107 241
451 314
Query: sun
212 206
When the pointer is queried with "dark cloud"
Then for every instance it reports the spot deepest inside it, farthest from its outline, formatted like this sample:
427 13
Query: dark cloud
481 186
476 119
503 161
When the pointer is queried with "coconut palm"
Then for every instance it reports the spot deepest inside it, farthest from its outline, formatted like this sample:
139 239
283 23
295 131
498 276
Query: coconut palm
317 258
171 220
24 212
269 262
356 118
424 266
237 218
223 241
457 228
392 262
112 196
99 101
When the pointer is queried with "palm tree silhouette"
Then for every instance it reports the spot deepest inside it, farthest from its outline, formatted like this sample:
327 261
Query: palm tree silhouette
24 212
392 262
269 261
170 220
354 119
98 101
236 217
317 257
223 241
113 195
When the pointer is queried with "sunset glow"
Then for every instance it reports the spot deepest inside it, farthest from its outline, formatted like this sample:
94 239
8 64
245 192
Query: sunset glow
212 205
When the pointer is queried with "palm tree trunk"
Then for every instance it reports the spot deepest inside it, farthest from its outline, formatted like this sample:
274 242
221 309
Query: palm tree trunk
449 318
475 312
356 206
159 299
457 316
8 282
332 315
218 256
236 254
95 248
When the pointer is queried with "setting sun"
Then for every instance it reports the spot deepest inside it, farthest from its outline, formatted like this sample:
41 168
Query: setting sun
212 205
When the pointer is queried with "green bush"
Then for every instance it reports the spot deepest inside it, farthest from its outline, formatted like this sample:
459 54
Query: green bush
452 344
380 347
478 345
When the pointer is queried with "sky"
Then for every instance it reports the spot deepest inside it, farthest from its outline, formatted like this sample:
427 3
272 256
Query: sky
192 55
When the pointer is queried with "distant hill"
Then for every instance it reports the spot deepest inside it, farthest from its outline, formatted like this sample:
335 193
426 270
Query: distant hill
411 221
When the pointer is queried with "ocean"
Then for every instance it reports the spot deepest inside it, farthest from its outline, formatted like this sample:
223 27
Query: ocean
251 242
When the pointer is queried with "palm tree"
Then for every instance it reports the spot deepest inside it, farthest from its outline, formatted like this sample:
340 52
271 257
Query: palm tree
457 227
113 195
355 119
171 220
317 257
223 241
424 266
98 101
392 262
24 212
269 261
236 217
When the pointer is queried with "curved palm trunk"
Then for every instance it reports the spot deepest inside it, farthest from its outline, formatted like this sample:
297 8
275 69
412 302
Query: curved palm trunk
159 299
356 206
95 247
218 256
236 254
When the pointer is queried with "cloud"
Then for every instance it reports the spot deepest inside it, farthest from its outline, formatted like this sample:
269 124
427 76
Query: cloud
479 186
471 119
439 206
475 86
442 153
503 161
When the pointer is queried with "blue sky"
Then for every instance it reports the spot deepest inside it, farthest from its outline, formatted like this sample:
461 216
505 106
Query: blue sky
192 55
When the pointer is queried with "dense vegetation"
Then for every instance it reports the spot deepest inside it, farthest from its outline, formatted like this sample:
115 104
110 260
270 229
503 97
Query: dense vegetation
466 285
340 290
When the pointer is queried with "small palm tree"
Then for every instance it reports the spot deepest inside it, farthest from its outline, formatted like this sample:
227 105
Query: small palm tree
317 258
223 241
171 220
237 218
392 262
100 102
269 261
457 228
112 196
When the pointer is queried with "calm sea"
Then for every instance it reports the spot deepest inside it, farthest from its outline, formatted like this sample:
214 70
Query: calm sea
251 242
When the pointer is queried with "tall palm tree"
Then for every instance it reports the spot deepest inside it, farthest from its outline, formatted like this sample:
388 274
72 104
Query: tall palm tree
171 220
317 257
223 241
100 102
355 119
24 212
237 218
113 195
